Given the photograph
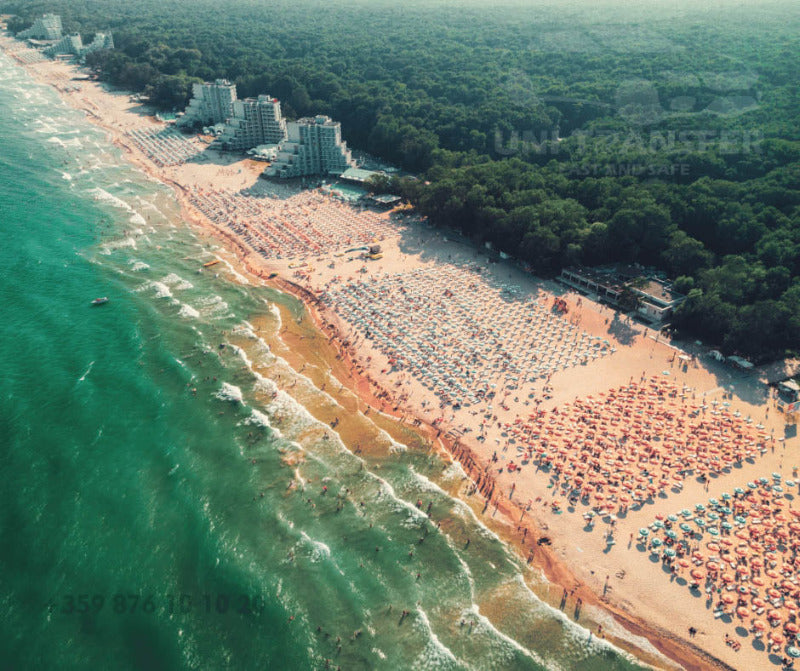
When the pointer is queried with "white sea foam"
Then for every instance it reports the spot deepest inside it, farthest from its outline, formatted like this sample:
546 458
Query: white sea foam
436 654
176 282
229 392
137 266
137 218
66 176
264 384
319 551
104 196
211 305
483 621
122 243
258 418
188 312
161 289
237 275
426 484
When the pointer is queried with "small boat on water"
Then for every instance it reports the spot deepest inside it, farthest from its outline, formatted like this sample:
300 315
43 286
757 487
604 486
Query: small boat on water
211 263
100 301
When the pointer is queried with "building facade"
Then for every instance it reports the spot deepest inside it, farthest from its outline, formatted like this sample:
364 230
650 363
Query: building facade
69 45
100 41
46 27
314 146
255 122
211 103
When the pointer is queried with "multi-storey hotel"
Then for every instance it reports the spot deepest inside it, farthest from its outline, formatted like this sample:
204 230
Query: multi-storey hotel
67 45
46 27
100 41
210 103
255 121
314 146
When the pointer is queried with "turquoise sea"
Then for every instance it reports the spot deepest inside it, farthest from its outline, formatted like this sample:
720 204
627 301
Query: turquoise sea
163 501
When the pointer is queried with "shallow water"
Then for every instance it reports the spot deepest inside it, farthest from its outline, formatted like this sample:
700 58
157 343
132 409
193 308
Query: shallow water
163 502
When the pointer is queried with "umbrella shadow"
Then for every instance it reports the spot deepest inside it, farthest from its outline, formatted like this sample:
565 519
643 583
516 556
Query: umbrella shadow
742 631
777 661
758 644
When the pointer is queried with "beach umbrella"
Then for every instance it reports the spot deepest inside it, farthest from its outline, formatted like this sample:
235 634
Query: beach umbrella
671 534
743 612
791 627
644 532
759 625
777 638
728 598
684 563
674 518
669 552
793 652
775 615
685 527
656 542
698 574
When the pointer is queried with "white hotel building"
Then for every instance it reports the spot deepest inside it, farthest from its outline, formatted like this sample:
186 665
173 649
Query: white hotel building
255 121
211 103
314 146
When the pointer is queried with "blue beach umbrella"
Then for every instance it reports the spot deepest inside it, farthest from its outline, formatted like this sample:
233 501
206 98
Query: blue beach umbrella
644 532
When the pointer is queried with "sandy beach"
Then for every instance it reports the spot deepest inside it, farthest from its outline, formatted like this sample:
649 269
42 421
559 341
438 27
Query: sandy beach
521 381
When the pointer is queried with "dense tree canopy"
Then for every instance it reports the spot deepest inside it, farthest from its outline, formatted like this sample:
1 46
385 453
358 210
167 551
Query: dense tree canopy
561 136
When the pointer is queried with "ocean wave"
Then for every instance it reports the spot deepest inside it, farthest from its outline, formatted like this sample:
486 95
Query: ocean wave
319 550
188 312
229 392
211 305
436 654
237 275
104 196
122 243
137 266
264 385
177 282
512 646
258 418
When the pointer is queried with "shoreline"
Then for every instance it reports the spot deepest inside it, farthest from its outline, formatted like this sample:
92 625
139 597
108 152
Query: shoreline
370 392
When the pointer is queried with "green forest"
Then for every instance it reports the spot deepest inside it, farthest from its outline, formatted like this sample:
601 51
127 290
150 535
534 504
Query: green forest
666 135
